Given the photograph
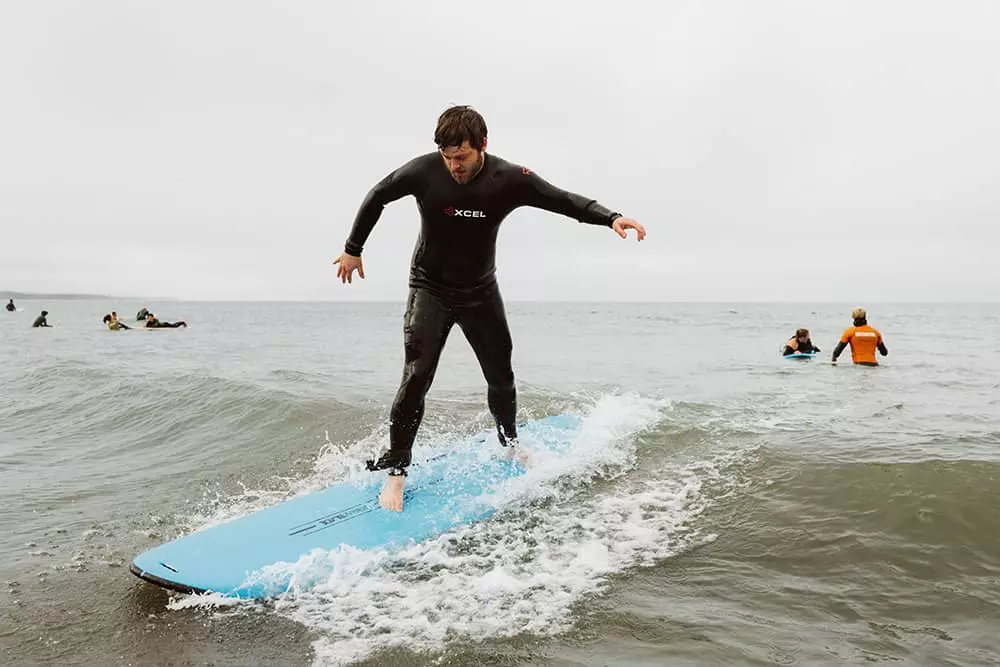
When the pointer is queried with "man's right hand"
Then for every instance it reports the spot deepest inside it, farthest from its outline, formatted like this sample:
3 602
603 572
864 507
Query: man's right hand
348 264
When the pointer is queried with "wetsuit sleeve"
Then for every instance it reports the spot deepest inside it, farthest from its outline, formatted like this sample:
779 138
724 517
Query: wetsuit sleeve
536 192
787 351
845 338
398 184
881 346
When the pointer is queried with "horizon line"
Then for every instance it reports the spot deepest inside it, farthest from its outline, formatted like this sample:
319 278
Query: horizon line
715 301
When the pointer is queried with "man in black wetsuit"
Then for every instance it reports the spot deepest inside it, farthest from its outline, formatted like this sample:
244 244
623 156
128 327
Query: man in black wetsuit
42 320
463 195
153 323
10 306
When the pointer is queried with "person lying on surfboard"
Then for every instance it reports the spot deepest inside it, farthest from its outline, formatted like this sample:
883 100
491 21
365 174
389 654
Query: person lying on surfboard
153 323
463 194
800 342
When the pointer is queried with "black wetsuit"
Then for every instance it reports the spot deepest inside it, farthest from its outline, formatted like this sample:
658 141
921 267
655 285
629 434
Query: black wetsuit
41 321
453 277
805 348
11 307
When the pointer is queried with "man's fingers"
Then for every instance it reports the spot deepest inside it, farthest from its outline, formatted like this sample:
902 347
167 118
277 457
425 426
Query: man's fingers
361 270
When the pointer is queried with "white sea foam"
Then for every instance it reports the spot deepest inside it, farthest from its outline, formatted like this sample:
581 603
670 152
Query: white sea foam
559 532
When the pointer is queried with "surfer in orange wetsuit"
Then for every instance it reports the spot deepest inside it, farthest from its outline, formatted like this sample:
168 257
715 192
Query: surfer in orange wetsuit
863 339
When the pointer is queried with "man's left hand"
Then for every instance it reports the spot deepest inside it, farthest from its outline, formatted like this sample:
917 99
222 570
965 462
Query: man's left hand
621 224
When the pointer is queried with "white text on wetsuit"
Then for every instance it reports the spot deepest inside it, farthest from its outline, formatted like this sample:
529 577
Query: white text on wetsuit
463 213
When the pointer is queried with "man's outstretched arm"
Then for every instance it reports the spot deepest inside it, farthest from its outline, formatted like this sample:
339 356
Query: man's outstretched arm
398 184
539 193
535 191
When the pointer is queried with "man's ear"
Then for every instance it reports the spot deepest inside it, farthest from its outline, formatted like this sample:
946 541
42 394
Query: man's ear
484 144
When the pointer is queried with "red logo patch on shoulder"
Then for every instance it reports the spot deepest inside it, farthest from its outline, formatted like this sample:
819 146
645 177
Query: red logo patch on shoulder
525 171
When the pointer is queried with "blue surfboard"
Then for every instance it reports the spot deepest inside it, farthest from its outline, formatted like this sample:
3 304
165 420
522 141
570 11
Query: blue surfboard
800 355
442 491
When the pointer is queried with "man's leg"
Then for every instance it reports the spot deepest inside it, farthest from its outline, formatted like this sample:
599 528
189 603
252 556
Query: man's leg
425 329
485 327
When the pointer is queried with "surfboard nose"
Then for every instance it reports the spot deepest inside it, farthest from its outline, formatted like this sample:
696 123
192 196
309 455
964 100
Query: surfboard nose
160 573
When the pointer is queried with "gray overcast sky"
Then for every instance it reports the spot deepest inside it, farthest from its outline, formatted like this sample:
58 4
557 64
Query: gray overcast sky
774 150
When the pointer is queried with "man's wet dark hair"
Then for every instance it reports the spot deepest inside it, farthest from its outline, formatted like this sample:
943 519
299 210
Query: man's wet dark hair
458 124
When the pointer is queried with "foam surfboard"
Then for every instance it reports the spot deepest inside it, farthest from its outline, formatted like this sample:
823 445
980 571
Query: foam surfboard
145 328
248 557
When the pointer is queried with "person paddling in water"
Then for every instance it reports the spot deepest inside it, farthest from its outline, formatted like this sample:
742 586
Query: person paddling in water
800 342
153 323
463 194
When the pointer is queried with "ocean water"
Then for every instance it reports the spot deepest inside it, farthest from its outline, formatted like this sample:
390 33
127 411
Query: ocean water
722 505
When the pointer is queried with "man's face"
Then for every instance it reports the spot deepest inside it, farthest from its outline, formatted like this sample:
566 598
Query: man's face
463 162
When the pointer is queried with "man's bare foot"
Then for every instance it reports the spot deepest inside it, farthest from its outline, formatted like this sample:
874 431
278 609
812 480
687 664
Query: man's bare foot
518 451
391 497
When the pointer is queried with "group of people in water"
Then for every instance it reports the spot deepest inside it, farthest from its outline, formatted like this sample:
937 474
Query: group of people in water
40 321
863 338
149 320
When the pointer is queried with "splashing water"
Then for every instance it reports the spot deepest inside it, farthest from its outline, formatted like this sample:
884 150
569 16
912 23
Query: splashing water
553 541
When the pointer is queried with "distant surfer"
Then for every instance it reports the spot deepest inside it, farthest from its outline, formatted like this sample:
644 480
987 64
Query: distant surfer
800 342
42 320
141 315
153 323
863 339
463 195
10 306
114 324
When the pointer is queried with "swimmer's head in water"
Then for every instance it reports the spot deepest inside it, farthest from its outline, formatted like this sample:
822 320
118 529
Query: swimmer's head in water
107 318
461 139
45 312
802 334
